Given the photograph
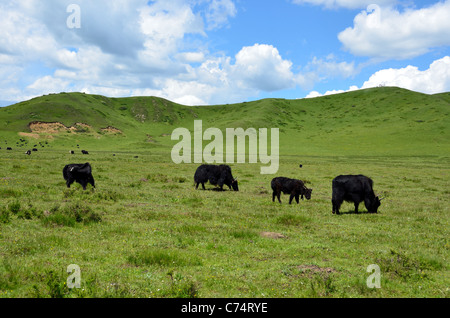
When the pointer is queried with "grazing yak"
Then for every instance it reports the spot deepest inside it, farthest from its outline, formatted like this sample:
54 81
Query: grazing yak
81 173
216 175
293 187
354 188
84 152
28 152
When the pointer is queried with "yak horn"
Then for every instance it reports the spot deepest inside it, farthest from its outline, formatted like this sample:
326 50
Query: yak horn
382 198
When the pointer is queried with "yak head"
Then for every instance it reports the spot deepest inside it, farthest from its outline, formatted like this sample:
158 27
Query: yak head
308 193
375 203
234 185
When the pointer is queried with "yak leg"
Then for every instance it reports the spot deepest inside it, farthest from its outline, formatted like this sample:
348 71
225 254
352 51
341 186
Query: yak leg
220 183
203 186
356 207
278 196
296 198
69 182
336 206
91 181
291 197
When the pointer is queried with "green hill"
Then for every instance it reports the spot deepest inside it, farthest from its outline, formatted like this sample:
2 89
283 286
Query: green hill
146 232
377 121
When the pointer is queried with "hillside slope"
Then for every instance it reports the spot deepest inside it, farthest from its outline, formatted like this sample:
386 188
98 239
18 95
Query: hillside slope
377 121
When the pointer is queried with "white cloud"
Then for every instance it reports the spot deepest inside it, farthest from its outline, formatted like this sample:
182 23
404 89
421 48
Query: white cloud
313 94
21 35
435 79
329 67
164 24
48 84
121 47
261 67
140 47
385 33
217 80
323 69
218 13
349 4
191 57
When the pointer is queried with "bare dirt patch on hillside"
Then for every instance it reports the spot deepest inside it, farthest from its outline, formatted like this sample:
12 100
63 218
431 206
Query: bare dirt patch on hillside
52 128
111 130
47 128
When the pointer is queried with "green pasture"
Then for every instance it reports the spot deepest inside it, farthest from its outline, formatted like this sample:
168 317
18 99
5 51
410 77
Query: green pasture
146 232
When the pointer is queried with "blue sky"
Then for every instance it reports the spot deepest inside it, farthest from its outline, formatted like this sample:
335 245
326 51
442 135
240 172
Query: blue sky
199 52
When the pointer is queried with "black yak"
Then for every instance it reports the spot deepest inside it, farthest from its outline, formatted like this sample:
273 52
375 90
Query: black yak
216 175
81 173
354 188
293 187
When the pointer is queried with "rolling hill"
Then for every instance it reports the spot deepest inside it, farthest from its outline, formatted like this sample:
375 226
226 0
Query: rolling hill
378 121
146 232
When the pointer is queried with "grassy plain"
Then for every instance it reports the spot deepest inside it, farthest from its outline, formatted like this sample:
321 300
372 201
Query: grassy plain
146 232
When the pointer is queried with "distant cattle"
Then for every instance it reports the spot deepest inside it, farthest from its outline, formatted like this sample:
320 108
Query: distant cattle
84 152
9 148
216 175
28 152
72 152
81 173
354 188
34 149
290 186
